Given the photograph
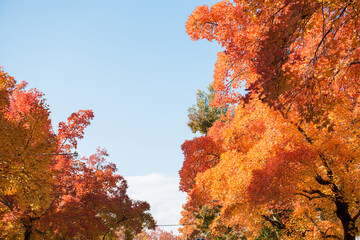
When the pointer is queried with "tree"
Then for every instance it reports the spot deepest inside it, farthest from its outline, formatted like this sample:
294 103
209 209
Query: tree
47 193
203 115
92 202
293 141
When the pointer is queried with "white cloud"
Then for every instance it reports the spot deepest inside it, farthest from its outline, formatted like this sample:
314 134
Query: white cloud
163 195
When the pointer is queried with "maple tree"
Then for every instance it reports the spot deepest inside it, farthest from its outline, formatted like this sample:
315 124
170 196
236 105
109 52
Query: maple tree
289 153
45 191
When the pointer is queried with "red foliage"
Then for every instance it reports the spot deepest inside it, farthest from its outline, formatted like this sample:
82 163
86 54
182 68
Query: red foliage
276 181
200 154
74 128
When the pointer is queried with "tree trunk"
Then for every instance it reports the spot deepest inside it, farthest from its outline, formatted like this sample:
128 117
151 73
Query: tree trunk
348 223
28 232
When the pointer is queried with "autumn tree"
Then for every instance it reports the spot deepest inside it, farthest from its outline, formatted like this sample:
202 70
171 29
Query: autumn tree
293 141
92 202
45 191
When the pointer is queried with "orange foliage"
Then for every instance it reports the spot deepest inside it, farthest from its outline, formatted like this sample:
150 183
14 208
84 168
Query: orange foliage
200 154
293 140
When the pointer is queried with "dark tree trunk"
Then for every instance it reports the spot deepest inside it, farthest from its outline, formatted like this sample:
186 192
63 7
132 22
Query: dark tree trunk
348 223
28 232
342 207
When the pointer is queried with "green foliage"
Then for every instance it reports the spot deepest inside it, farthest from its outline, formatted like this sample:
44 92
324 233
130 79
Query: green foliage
203 115
206 217
267 233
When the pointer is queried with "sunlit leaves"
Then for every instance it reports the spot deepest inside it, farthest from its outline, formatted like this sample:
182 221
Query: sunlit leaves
291 144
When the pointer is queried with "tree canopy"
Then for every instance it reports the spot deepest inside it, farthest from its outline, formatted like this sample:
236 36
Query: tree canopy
45 191
288 153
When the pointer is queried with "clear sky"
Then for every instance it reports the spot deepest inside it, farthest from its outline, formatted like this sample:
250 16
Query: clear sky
131 62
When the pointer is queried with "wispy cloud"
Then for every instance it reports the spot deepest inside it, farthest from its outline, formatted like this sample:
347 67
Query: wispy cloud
163 195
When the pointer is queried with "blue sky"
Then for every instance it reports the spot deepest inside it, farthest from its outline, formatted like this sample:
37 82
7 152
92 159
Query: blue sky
131 62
